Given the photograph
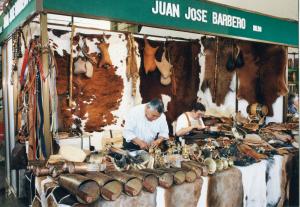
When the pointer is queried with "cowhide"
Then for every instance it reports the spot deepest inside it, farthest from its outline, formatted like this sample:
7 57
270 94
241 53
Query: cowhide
217 78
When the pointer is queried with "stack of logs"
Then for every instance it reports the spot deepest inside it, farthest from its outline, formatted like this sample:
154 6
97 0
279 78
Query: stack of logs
87 184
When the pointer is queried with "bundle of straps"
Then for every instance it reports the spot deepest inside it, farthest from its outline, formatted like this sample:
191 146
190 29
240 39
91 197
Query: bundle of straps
30 110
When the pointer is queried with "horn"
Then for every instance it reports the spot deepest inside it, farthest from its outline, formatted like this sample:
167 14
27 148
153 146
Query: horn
132 185
86 190
81 167
165 179
32 164
110 189
41 171
150 181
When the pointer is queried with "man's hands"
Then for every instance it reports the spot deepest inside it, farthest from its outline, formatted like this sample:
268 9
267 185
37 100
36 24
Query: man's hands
199 127
142 144
157 142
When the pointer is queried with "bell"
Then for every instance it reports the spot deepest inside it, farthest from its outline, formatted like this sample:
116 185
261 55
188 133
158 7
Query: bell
219 164
230 163
211 165
225 163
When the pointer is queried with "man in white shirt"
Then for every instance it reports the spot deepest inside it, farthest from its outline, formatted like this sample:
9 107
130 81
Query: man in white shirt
145 126
190 120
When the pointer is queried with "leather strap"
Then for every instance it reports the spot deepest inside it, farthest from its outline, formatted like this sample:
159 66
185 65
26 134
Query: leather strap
188 119
40 115
24 64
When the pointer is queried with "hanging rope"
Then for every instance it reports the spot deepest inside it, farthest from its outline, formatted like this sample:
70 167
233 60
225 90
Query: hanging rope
71 67
214 95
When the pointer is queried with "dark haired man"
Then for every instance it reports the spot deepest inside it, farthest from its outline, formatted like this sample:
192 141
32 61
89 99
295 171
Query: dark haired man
190 120
145 126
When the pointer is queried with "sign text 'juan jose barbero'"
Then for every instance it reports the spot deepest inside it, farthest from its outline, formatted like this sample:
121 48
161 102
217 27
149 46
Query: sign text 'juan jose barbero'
197 14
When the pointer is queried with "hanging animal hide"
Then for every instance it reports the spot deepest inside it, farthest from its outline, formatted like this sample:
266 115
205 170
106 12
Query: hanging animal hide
272 68
247 74
149 57
186 69
105 61
131 67
94 98
262 77
165 69
219 66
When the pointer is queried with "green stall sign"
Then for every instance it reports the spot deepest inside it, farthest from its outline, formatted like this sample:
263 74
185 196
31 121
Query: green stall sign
184 15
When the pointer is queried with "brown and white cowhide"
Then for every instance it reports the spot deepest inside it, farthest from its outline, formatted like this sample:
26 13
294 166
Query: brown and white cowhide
225 188
96 102
254 184
144 199
290 180
274 180
217 77
186 194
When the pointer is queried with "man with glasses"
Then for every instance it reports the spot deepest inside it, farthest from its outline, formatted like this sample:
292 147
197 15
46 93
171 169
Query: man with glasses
145 126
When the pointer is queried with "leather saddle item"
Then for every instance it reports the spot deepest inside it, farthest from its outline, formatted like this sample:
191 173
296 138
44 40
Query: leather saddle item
165 69
149 57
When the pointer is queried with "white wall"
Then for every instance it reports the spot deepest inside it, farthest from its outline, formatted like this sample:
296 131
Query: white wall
278 8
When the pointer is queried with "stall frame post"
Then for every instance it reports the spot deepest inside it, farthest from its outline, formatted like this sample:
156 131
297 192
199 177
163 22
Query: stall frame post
45 84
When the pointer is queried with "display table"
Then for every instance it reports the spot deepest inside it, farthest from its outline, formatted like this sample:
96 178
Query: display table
268 182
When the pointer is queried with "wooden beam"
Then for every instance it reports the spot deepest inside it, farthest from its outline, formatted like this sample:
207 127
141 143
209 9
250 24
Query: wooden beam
45 84
285 98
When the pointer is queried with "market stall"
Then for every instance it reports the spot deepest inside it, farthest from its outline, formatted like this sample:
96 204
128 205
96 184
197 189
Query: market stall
68 86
